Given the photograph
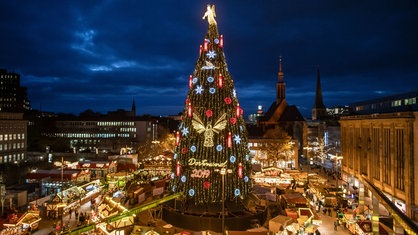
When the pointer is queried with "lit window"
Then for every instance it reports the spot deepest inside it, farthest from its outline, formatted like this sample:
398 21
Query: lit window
396 103
410 101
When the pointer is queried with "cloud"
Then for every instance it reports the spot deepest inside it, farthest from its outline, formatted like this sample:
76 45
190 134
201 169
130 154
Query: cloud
115 51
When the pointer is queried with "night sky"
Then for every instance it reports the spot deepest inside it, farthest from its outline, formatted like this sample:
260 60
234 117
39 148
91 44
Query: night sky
100 55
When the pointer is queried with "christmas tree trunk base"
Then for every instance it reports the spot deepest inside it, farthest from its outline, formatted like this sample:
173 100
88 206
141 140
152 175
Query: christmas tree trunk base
238 217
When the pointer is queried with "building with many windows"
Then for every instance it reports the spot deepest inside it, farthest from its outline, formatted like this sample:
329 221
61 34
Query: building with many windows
13 141
13 97
94 132
379 145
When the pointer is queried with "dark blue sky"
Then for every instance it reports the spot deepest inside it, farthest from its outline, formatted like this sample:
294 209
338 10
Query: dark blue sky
76 55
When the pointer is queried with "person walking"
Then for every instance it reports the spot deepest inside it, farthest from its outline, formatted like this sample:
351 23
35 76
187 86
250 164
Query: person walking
335 225
76 214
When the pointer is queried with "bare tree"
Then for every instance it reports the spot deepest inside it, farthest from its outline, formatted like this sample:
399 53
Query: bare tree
277 146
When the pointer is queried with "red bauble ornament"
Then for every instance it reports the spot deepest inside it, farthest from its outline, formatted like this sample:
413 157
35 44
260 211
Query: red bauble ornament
227 100
184 150
233 120
206 184
209 113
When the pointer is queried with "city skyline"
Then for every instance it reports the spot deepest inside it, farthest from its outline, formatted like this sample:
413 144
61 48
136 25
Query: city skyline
80 55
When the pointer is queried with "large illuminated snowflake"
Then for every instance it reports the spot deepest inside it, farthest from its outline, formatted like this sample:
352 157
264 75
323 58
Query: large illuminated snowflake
211 54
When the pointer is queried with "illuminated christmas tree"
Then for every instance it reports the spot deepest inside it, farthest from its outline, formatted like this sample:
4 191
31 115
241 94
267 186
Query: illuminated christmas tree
212 137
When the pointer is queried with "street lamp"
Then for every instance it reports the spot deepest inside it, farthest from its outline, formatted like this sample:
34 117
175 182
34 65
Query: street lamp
223 173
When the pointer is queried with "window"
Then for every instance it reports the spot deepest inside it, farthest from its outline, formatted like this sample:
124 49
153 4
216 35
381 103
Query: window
376 153
396 103
387 168
410 101
399 160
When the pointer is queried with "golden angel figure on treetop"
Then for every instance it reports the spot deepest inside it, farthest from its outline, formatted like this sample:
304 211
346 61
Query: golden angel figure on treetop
210 13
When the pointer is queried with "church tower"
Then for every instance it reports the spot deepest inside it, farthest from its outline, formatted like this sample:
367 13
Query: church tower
318 110
281 85
133 109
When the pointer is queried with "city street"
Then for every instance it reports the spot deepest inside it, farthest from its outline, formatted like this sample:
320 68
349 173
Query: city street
47 226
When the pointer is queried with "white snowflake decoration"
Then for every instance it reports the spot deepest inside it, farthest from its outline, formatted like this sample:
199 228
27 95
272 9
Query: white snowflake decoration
185 131
199 89
234 93
211 54
237 139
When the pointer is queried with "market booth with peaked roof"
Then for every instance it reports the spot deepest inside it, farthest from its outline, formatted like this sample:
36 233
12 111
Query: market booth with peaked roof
21 224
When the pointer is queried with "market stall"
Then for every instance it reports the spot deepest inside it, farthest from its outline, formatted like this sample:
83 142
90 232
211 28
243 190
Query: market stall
279 223
364 227
108 208
349 221
21 224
